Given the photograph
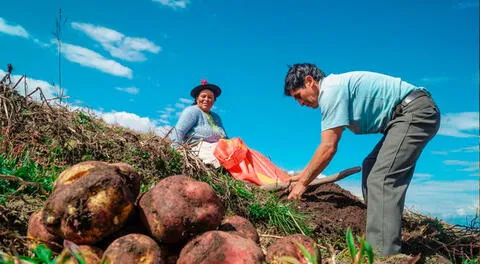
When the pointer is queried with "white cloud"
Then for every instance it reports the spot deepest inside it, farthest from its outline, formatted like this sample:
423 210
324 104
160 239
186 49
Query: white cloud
460 150
443 153
435 80
422 176
173 3
179 105
464 124
49 91
468 165
457 198
130 90
186 101
467 4
130 120
127 120
169 113
163 121
15 30
90 58
41 43
454 197
468 149
119 45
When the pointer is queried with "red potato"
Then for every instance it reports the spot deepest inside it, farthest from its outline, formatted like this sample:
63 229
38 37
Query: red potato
134 248
241 225
91 201
218 247
179 208
38 232
288 246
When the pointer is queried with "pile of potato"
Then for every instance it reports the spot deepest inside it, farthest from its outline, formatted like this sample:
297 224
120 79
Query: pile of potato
97 206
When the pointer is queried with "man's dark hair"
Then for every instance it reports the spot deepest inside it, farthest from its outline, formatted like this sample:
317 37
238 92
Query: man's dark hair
295 78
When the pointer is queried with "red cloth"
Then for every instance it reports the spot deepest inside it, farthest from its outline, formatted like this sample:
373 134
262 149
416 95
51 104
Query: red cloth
247 164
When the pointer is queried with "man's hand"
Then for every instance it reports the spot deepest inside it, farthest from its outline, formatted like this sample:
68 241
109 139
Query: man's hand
297 191
294 178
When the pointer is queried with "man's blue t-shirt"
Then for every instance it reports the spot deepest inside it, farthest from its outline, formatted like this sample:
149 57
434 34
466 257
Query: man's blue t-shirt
361 101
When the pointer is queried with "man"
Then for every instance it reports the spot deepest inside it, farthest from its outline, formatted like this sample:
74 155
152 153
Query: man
367 102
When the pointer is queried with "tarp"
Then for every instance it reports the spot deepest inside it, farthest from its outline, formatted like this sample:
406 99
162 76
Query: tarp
247 164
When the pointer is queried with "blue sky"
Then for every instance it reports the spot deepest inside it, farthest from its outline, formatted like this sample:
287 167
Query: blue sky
134 64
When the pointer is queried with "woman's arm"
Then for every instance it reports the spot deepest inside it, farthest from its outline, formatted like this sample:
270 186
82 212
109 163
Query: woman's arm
220 124
188 119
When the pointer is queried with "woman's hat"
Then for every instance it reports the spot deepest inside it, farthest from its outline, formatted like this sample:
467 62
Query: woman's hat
212 87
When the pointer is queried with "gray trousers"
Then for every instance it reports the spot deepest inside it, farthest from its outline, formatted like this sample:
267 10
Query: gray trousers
388 169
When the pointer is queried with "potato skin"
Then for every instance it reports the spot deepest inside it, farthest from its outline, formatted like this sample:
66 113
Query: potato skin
179 208
82 169
90 201
38 232
287 246
134 248
242 226
218 247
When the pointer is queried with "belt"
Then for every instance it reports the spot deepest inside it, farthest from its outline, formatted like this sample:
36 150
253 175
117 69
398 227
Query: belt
415 94
412 96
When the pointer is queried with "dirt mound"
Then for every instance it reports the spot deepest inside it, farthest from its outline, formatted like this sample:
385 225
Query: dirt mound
332 210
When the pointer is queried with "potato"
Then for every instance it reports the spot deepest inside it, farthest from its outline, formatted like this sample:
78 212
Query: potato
178 208
85 168
218 247
90 201
132 226
91 255
38 232
134 248
241 225
288 246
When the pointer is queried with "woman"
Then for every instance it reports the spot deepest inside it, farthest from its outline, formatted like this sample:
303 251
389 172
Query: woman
197 123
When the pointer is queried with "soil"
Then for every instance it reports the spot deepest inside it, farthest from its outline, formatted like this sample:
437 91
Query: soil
332 210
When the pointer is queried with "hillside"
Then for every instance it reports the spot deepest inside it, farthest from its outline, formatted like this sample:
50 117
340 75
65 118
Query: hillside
38 140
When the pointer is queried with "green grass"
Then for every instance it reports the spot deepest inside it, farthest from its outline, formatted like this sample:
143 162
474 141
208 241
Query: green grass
281 215
257 205
24 169
43 255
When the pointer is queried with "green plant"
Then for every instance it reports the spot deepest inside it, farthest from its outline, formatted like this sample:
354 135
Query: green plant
365 249
83 118
43 255
471 261
171 165
22 174
279 214
310 258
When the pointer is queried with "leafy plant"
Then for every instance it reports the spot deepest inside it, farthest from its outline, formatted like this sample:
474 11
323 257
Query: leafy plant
310 258
471 261
16 170
365 249
43 255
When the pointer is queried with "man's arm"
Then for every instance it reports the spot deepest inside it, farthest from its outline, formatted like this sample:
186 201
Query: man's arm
322 157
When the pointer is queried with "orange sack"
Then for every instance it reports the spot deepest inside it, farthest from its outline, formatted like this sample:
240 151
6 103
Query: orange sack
247 164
